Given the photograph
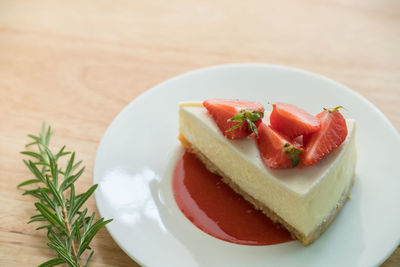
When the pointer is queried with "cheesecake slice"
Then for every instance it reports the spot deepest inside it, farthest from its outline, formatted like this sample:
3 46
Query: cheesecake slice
304 200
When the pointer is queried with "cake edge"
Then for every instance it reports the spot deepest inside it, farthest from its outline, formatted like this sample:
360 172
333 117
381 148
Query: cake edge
305 240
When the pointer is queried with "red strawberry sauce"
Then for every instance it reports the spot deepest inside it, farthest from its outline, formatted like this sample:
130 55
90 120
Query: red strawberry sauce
216 209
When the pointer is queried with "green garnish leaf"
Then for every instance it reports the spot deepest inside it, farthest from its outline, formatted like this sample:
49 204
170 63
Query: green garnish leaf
293 152
53 262
68 229
252 126
236 126
238 117
247 116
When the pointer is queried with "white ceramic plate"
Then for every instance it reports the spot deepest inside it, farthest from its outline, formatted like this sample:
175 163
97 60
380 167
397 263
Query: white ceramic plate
136 156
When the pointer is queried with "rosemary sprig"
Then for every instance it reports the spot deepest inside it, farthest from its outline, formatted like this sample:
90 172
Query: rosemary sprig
69 230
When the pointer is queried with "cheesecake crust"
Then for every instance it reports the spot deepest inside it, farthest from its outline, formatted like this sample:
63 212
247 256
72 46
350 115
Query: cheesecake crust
304 239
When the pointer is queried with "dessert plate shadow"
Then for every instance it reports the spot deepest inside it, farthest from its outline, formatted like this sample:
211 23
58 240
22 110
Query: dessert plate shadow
136 156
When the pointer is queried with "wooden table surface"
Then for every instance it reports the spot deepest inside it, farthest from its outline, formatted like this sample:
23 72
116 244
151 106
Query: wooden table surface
76 64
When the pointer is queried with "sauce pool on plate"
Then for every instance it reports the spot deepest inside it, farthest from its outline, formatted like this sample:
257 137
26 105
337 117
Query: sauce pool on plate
216 209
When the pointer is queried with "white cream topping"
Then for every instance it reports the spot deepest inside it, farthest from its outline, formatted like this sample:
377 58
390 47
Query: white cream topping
299 180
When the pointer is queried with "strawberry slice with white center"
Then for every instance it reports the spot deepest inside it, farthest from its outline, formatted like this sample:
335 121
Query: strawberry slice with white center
236 119
292 121
332 133
276 150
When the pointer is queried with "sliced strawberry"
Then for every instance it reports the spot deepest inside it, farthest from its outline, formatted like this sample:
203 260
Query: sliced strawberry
292 121
236 119
306 138
276 150
332 133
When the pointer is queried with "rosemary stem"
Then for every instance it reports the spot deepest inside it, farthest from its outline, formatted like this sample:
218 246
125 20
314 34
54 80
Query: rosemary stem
67 225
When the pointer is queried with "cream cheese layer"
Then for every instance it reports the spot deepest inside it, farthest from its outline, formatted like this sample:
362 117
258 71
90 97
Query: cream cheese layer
303 197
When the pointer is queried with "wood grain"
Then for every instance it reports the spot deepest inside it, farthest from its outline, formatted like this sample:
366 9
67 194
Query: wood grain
76 64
